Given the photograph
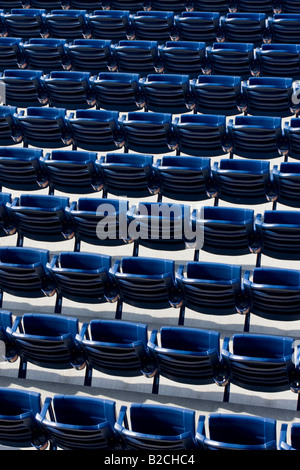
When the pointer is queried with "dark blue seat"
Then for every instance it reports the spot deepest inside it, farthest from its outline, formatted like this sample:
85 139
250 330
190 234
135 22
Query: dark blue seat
292 133
100 222
18 426
273 293
184 178
72 171
24 272
118 91
289 437
82 278
68 24
47 341
287 180
244 27
202 26
89 5
117 348
221 6
95 130
167 93
284 28
128 175
187 355
90 55
245 182
114 25
140 57
156 427
258 137
10 133
6 4
183 57
146 283
279 60
218 94
12 54
289 6
69 90
212 288
41 218
46 54
148 132
21 169
269 96
236 432
24 88
232 58
6 322
201 135
154 25
24 23
47 4
79 422
127 5
7 222
260 363
44 127
175 6
264 6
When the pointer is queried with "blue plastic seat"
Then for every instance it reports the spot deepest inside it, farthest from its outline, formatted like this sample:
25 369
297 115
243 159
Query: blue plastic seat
100 222
68 24
221 6
269 96
287 180
184 178
175 6
289 437
46 4
183 57
146 283
127 5
24 23
128 175
273 293
46 54
117 348
156 427
79 422
24 272
90 55
82 278
21 169
289 6
69 90
41 217
6 4
47 341
12 54
260 363
44 127
245 182
7 222
140 57
89 5
284 28
244 27
148 132
95 130
154 25
264 6
187 355
202 26
279 60
6 322
24 88
236 432
212 288
167 93
114 25
232 58
10 133
72 171
218 94
118 91
292 132
258 137
18 426
201 135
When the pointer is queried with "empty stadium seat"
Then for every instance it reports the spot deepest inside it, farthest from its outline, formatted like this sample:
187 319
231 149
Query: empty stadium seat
47 341
292 132
68 24
7 222
128 5
244 27
289 437
89 5
117 348
264 6
286 178
12 54
82 277
227 431
90 55
154 26
24 88
284 28
47 4
10 132
220 6
187 355
154 427
202 26
279 60
140 57
289 6
168 5
6 322
183 57
114 25
45 54
24 23
232 58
